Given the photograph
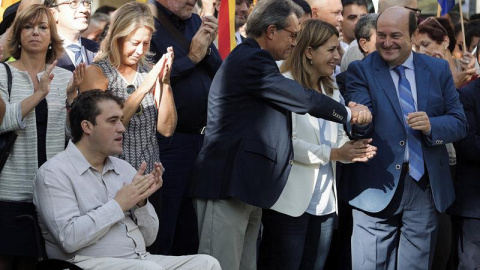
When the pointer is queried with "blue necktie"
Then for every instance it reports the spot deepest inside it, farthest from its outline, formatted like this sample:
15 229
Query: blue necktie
415 155
78 53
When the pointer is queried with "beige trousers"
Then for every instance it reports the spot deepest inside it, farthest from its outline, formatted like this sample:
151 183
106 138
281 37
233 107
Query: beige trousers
150 262
228 230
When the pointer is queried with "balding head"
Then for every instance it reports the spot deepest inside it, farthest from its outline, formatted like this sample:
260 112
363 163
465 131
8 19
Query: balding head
384 4
329 11
394 34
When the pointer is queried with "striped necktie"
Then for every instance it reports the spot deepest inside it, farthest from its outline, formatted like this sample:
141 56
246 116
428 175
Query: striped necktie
78 53
415 155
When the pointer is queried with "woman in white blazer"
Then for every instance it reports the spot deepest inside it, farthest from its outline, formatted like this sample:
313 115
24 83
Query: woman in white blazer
298 228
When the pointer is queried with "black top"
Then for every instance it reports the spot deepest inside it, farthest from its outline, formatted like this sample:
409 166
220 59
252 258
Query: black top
41 115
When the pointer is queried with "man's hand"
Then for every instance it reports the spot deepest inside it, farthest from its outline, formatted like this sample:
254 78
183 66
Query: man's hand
157 173
129 195
203 39
419 121
360 114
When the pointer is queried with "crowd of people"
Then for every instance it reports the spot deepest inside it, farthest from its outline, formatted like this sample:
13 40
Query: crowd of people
329 138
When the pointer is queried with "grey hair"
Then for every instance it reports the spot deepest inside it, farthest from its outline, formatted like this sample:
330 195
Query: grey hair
271 12
98 18
364 27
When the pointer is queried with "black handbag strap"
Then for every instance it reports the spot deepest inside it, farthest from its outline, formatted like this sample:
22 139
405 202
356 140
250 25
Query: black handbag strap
177 35
9 77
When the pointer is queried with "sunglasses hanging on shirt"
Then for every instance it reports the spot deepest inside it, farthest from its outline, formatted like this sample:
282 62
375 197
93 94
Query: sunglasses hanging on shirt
130 89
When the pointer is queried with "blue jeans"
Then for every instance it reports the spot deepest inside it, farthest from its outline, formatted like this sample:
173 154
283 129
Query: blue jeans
293 243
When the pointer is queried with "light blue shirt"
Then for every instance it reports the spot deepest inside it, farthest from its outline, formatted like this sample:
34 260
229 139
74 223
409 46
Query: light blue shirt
410 74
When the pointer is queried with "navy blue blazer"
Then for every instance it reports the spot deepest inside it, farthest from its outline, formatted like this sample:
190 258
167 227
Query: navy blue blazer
247 152
371 186
91 49
467 179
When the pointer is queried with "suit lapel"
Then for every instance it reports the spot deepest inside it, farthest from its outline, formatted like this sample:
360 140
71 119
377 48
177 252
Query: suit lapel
65 62
422 81
384 78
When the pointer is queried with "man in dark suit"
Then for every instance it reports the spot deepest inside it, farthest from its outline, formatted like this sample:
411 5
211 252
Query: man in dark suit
72 18
397 195
247 154
466 209
196 62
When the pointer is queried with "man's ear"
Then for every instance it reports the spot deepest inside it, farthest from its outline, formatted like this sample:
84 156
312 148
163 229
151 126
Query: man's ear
315 13
86 127
363 44
271 29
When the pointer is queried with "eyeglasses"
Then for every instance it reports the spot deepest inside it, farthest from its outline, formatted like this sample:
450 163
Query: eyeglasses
416 10
74 4
293 35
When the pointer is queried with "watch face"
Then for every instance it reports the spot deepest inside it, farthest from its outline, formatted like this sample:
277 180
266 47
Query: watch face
130 88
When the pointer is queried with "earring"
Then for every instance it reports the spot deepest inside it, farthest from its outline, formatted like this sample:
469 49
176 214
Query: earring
311 62
50 46
19 45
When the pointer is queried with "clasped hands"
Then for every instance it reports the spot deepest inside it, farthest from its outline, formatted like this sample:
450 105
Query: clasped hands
141 187
361 115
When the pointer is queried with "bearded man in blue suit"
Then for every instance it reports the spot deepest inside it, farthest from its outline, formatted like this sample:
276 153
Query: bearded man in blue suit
397 195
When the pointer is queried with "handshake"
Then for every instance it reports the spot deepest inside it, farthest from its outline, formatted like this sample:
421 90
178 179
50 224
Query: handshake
361 115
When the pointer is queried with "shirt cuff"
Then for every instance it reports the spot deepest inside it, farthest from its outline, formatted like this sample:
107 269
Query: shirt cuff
349 114
140 214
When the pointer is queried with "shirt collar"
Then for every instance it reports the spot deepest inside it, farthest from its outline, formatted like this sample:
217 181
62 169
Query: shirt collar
80 162
408 63
79 43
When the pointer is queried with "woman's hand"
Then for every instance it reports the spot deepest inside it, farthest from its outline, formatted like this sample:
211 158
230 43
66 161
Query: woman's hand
152 76
167 67
355 151
77 79
46 79
468 70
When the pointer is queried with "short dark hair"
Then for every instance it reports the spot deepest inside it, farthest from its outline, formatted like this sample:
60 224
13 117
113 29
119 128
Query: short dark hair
49 3
412 22
437 29
304 5
356 2
85 107
270 12
472 30
364 27
105 10
475 16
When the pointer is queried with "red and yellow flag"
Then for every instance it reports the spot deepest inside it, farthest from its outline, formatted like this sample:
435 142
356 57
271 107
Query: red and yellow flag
226 27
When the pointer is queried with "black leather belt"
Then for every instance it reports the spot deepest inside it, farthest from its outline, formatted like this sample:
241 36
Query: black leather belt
189 130
405 167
